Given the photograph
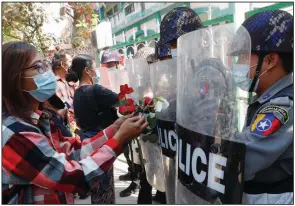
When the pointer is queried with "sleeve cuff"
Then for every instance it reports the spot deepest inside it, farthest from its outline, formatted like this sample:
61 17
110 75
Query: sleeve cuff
109 132
115 146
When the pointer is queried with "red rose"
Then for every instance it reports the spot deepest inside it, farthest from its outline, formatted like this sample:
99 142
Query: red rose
121 95
125 89
129 91
147 101
131 108
123 109
130 101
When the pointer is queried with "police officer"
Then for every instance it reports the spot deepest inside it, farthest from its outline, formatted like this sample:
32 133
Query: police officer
269 125
111 59
177 22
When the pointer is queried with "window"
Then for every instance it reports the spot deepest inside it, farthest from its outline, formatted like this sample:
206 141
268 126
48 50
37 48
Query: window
142 6
116 8
129 9
110 12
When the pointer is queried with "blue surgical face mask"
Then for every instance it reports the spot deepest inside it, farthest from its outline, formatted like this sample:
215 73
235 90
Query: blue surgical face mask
96 79
46 86
174 53
241 76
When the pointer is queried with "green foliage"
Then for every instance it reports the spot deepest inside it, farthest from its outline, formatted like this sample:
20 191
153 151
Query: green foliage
84 20
24 21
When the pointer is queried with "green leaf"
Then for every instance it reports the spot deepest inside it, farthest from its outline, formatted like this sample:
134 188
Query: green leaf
152 122
159 99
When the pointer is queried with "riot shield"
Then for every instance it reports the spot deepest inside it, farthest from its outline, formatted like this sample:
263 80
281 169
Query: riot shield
104 78
210 112
164 79
139 76
117 77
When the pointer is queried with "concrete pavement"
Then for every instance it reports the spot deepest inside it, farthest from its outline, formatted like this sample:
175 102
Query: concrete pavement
120 168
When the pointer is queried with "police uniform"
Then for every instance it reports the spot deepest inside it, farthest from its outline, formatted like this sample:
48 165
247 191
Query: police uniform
269 145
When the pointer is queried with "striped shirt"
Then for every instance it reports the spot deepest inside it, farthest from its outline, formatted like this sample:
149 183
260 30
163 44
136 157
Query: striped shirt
65 91
40 166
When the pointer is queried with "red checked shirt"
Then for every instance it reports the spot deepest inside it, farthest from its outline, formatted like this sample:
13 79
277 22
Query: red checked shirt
65 91
40 166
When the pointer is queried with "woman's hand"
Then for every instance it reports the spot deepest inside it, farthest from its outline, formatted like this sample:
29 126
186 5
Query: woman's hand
63 113
119 121
131 128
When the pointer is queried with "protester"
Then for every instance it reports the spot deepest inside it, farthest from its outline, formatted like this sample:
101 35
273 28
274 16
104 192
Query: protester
60 65
94 108
39 165
269 125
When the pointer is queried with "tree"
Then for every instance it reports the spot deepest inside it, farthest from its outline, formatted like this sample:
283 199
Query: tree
24 21
85 19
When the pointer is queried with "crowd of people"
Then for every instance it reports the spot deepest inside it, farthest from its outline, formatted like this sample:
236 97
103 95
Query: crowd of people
61 133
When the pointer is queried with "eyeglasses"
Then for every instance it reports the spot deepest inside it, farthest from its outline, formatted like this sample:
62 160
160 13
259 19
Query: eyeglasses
42 67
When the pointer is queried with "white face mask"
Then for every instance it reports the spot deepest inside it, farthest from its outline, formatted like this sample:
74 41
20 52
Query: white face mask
174 53
112 69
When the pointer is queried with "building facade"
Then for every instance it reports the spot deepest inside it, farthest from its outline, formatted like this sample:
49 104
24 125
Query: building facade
137 24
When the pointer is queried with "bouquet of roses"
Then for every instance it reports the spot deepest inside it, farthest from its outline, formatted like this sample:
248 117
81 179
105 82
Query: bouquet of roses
148 106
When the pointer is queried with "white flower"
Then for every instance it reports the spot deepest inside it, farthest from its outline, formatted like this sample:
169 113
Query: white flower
161 104
151 115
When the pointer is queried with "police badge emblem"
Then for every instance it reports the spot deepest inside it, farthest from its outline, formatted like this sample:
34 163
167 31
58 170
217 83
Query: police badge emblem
204 87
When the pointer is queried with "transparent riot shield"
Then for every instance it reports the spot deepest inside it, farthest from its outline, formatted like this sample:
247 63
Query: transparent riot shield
117 77
104 78
139 76
210 114
164 79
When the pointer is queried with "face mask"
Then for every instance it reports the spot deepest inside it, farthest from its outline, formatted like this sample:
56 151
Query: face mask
46 86
95 80
174 53
112 69
257 82
241 76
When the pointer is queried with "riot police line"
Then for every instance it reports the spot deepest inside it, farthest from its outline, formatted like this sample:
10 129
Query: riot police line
204 133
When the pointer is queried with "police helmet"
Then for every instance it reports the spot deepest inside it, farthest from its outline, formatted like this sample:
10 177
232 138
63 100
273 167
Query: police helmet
177 22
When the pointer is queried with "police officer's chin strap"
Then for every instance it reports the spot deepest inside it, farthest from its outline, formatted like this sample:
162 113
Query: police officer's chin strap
257 72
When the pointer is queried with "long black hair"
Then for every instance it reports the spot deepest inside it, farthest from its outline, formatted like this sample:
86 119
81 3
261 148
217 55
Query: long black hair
79 63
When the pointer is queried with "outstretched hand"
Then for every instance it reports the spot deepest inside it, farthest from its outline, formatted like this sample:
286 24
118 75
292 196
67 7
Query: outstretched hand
117 124
131 128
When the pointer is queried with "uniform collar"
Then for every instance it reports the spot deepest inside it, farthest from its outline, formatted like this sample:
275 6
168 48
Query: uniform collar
274 89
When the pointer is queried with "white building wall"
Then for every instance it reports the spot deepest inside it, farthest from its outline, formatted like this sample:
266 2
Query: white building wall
152 24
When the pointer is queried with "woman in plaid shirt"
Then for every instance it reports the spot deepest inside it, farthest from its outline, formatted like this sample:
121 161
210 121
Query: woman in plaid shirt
39 165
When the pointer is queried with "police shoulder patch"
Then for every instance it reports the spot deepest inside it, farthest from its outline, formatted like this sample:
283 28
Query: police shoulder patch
269 119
